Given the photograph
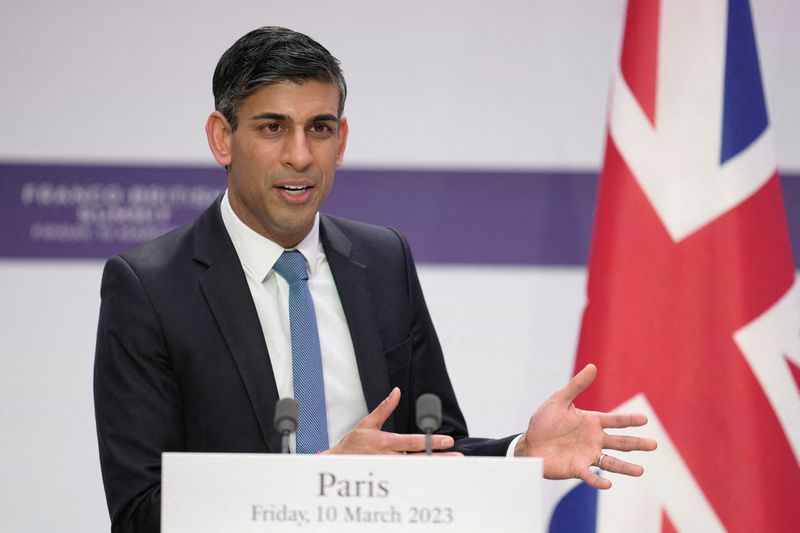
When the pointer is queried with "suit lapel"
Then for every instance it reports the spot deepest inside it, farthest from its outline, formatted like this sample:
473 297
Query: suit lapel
225 289
353 285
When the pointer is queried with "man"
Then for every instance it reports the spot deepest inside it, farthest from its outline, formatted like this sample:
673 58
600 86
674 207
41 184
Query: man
197 337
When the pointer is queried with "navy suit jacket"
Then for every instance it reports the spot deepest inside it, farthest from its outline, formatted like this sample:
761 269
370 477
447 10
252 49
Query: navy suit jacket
181 363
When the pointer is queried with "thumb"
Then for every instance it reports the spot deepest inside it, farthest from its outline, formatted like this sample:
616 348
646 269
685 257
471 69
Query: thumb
577 384
381 414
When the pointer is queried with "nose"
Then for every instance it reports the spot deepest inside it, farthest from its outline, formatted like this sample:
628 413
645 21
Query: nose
296 151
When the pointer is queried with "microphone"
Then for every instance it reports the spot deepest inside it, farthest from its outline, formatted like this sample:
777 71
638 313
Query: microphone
286 411
429 418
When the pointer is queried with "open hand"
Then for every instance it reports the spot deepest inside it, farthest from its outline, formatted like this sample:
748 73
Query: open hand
570 440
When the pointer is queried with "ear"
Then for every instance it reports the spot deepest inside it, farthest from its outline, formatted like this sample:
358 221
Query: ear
219 133
342 142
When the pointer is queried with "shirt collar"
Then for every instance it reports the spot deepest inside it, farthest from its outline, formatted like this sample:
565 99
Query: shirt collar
258 254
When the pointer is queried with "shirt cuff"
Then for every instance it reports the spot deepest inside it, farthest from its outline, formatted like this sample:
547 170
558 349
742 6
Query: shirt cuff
513 445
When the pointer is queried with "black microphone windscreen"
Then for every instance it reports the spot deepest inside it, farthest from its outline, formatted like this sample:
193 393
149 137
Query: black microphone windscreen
429 412
286 412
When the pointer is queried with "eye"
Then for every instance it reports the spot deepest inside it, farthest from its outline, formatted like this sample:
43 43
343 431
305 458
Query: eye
271 127
321 129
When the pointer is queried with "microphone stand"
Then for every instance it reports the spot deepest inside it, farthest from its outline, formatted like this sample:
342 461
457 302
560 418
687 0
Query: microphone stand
285 441
429 441
286 414
429 418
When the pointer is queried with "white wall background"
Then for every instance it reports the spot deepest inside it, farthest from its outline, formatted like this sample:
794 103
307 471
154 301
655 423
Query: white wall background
464 84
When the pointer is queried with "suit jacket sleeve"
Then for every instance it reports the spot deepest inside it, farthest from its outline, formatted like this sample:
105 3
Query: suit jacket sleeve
137 400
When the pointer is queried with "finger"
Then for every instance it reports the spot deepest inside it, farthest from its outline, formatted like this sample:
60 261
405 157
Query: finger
577 384
622 420
381 414
618 466
593 480
416 443
437 454
626 443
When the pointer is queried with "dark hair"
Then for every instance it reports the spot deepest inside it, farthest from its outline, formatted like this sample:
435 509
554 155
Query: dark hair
270 55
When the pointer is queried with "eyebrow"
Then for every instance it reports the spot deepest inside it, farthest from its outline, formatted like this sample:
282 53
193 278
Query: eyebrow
325 117
269 115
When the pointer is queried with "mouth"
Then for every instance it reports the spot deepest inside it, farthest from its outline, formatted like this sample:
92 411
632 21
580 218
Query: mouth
295 193
295 190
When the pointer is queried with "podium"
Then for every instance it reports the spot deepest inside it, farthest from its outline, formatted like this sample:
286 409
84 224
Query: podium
235 493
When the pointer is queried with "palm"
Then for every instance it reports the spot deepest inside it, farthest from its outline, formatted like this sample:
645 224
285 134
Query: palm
570 440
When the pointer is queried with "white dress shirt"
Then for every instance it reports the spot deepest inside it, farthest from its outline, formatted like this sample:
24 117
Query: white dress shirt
344 396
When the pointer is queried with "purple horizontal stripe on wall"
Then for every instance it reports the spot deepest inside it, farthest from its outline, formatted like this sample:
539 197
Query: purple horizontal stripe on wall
467 217
66 211
510 218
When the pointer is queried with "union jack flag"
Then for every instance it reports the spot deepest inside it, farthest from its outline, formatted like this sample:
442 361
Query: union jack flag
692 314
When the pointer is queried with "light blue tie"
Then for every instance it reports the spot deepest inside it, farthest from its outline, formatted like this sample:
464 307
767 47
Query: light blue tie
309 388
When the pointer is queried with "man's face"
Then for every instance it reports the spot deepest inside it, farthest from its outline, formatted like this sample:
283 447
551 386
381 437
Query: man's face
283 157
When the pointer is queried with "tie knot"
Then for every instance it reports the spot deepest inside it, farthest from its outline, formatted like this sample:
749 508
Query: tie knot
291 265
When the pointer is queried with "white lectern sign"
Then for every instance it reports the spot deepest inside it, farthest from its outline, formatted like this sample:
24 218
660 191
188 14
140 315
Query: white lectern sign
234 493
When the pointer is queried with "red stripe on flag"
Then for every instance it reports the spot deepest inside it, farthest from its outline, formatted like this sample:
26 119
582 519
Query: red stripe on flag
795 370
640 53
660 321
666 524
